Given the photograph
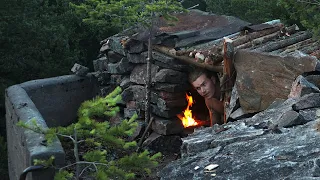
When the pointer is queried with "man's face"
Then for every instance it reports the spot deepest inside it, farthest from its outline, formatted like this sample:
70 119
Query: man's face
204 86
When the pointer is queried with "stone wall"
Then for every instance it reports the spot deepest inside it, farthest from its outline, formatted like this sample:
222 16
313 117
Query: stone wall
51 102
127 68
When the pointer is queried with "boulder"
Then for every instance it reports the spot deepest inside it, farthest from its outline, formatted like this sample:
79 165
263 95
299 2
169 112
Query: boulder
261 77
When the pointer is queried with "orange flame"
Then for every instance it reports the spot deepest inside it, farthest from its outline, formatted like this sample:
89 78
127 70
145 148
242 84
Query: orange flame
186 118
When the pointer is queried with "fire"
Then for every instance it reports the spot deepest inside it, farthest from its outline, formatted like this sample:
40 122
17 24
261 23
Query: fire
186 118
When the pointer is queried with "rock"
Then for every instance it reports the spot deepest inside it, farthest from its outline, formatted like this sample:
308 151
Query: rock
114 43
136 58
167 104
172 112
292 154
104 91
314 79
171 87
121 67
171 76
139 73
139 130
234 102
261 77
133 93
289 119
164 144
168 62
239 114
115 79
308 101
168 95
301 86
177 67
269 117
136 46
100 64
165 126
79 70
103 77
114 57
131 104
309 114
125 83
129 112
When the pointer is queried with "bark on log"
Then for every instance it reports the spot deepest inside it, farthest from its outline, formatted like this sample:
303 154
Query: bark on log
187 60
293 46
229 73
310 48
266 38
254 35
286 42
258 41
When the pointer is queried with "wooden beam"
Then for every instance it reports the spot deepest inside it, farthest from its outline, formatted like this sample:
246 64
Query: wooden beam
188 60
229 73
286 42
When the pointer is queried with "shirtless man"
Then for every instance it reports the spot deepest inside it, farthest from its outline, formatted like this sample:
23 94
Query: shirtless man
208 86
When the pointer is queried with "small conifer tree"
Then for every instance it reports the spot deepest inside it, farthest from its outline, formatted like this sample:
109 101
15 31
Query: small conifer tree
108 155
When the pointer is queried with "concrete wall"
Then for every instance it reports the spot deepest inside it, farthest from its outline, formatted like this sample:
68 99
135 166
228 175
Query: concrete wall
52 102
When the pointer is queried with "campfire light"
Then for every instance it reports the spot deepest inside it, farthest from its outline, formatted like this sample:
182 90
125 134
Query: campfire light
186 117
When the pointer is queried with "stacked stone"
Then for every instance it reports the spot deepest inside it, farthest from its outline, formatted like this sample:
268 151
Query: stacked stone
125 63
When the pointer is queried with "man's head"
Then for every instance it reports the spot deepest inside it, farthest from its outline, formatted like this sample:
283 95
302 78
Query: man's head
203 82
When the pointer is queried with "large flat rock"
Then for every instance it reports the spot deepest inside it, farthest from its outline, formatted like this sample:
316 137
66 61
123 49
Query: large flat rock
261 78
243 152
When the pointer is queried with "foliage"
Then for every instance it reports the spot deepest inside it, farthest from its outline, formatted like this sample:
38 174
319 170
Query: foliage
126 13
108 151
306 12
3 159
250 10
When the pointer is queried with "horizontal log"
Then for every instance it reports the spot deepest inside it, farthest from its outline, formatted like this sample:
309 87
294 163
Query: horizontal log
258 41
286 42
293 46
266 38
187 60
254 35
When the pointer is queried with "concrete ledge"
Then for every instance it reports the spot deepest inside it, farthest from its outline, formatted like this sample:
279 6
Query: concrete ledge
52 102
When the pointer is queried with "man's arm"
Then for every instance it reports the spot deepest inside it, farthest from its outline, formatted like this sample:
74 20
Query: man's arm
215 118
216 109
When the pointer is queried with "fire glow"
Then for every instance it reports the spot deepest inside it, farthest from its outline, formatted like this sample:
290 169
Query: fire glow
186 117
